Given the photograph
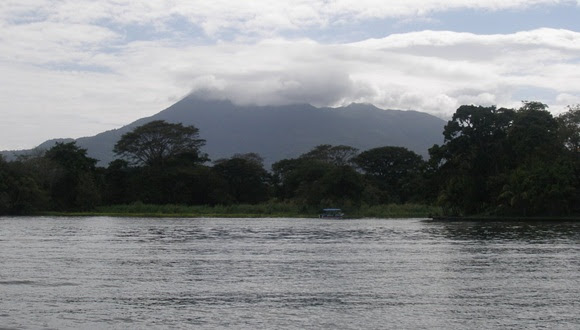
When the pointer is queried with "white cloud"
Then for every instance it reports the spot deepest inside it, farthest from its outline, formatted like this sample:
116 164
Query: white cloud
47 42
260 16
71 68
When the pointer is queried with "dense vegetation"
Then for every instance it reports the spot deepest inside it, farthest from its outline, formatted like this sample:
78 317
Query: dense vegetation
522 162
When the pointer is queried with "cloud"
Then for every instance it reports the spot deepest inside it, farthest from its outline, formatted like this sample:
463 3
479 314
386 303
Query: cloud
77 67
47 42
441 75
447 70
257 16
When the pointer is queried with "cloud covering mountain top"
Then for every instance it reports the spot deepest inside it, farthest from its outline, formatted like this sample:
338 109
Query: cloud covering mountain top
74 68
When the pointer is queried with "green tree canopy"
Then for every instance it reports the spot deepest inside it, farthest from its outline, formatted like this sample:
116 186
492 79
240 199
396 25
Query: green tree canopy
71 157
569 129
391 169
533 135
156 142
475 150
19 192
72 182
335 155
506 161
248 181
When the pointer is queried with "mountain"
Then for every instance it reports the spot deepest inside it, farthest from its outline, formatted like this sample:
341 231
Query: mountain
279 132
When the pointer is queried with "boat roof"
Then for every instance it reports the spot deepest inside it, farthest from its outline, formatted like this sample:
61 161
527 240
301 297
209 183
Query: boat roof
330 210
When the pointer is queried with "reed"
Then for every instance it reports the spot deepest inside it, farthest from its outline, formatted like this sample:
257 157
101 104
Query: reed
270 209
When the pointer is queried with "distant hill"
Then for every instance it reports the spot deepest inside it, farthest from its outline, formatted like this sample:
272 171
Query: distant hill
279 132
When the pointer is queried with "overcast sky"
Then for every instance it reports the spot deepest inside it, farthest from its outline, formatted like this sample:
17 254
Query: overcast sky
72 68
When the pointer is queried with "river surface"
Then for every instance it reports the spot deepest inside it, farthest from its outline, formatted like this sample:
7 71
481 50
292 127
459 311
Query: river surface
132 273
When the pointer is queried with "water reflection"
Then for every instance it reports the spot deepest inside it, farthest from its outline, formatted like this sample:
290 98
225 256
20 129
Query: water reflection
529 262
537 231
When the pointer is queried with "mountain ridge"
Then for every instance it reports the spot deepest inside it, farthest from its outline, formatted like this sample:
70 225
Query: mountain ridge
279 132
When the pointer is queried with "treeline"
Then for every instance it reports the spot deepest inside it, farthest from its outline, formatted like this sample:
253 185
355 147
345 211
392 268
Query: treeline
492 161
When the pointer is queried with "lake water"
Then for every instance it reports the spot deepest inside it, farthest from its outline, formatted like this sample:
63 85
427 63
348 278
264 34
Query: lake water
119 273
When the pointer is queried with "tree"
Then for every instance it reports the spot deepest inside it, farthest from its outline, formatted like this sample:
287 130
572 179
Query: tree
19 192
71 157
118 187
569 129
73 183
248 181
540 188
474 152
533 135
343 186
392 169
336 155
505 161
156 142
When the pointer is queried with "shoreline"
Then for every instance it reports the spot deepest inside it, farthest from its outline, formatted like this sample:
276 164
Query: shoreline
504 219
210 216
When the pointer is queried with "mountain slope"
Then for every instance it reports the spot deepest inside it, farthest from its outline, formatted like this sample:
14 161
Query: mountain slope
278 132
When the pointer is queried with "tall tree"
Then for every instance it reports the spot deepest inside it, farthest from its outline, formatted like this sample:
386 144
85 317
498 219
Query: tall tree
533 134
307 181
248 181
569 129
392 169
475 149
336 155
156 142
19 192
73 182
505 161
542 177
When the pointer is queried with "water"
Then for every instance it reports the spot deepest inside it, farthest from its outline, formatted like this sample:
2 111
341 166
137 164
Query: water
119 273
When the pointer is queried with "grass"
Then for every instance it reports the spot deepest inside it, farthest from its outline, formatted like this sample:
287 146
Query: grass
263 210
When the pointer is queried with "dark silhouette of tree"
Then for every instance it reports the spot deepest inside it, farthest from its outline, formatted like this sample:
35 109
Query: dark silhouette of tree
19 192
156 142
475 151
319 178
392 170
336 155
569 129
73 182
248 181
504 161
533 134
119 187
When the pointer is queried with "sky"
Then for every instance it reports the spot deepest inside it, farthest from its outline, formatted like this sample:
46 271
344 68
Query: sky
73 68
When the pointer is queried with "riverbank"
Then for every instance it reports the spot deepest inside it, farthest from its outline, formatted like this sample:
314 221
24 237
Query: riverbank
505 218
264 210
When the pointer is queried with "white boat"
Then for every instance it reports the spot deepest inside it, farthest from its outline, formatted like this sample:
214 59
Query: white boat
331 214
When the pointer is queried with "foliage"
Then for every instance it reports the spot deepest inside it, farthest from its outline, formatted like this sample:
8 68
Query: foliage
247 180
335 155
539 188
72 185
392 170
533 135
266 209
493 161
316 180
19 192
156 142
505 161
569 129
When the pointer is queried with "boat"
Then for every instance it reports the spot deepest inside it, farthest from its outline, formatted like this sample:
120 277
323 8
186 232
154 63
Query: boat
331 214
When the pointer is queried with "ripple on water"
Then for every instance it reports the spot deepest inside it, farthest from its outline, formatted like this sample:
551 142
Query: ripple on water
287 273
